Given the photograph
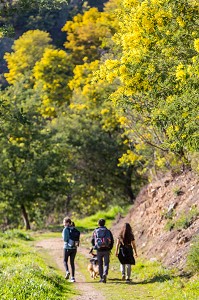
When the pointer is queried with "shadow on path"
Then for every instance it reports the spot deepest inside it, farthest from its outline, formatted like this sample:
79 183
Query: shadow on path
157 278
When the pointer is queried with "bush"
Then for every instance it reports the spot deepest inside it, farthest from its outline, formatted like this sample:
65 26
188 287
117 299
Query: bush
193 256
16 234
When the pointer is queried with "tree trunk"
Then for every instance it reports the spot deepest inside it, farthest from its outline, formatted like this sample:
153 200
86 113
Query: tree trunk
25 217
67 203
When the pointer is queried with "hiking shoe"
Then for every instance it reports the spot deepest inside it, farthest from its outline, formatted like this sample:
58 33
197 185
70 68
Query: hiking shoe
72 279
101 280
123 277
104 279
67 275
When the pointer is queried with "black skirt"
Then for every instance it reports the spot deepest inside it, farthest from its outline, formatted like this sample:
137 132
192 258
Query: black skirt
125 255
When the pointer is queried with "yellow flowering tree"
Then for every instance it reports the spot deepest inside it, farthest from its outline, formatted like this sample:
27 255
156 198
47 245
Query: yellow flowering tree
157 70
27 50
52 74
89 35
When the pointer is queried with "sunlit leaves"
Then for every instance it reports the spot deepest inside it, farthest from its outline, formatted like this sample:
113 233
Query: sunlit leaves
52 74
27 50
158 60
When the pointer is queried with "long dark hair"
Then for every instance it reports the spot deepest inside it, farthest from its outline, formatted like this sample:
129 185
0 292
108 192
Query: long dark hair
126 234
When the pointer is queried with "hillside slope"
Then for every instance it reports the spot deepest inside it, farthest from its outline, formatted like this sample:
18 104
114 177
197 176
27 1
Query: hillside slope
165 219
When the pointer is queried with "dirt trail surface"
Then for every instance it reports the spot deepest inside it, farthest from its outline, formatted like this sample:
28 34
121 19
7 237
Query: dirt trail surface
87 291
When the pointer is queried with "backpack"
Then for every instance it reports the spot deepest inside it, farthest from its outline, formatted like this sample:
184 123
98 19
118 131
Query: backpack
74 236
103 239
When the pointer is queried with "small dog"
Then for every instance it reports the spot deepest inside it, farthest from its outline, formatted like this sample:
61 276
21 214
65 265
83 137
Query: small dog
93 266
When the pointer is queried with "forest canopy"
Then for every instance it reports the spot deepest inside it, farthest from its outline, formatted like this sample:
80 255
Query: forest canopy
94 104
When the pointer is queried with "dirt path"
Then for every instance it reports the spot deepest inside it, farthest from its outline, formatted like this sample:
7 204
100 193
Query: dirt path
86 289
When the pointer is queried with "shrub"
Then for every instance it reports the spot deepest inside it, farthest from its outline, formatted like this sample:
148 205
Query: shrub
193 256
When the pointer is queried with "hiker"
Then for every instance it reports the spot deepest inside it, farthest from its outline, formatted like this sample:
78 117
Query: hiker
102 241
70 246
124 250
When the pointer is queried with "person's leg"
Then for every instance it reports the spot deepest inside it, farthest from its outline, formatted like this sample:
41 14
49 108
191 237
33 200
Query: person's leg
106 264
123 271
72 261
100 263
128 271
66 255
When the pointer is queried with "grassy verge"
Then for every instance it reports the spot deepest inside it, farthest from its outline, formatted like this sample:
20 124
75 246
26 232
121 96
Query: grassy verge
25 274
90 223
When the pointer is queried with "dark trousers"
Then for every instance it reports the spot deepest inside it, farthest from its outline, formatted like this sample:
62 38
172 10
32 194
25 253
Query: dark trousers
70 253
103 258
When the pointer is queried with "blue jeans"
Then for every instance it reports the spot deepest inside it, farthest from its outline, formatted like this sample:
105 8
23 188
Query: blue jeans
70 253
103 258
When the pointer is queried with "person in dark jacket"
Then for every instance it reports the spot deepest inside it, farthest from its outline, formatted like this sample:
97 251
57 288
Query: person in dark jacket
124 250
69 251
102 241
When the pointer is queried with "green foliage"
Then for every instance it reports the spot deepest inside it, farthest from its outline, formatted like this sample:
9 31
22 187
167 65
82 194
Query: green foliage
30 171
177 191
52 74
194 158
184 220
27 50
193 256
157 86
87 35
24 275
6 31
130 109
16 234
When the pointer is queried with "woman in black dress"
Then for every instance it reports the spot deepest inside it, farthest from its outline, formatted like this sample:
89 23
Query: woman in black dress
124 251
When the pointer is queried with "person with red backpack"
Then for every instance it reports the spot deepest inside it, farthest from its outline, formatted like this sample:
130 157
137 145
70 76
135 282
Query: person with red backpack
102 241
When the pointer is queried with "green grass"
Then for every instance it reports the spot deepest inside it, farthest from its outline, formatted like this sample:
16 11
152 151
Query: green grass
193 256
24 274
183 221
90 223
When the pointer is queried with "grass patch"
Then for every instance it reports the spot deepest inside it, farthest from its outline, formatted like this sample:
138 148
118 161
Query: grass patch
25 275
183 221
193 257
90 223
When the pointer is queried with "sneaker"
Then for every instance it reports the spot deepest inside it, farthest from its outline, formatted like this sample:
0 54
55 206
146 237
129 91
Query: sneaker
72 279
101 280
67 275
104 279
128 280
123 277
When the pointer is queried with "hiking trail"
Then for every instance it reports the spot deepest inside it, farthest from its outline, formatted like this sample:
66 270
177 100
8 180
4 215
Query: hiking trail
54 247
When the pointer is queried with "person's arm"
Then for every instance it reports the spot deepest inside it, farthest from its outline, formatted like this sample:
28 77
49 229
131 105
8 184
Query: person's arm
117 247
134 247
